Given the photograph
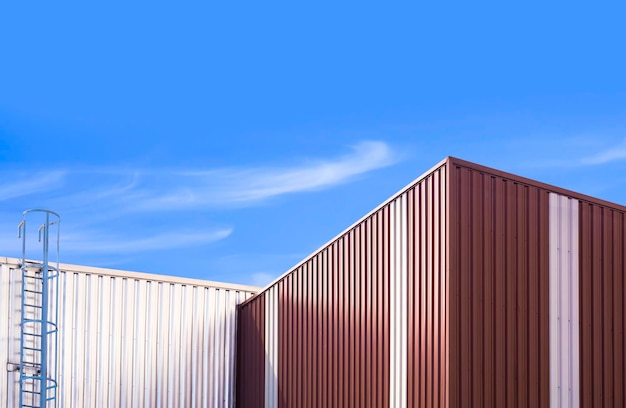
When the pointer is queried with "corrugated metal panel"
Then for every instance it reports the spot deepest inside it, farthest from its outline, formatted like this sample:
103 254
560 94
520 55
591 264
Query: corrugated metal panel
602 270
9 333
271 348
427 291
363 321
478 249
398 320
564 302
251 354
333 351
129 339
499 269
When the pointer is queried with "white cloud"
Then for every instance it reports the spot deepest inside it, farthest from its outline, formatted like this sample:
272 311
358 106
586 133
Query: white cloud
90 199
95 243
612 154
247 186
35 183
117 191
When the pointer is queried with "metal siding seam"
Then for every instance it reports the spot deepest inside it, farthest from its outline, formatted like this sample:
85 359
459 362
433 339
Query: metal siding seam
271 336
440 239
392 312
555 381
275 346
562 289
575 304
564 299
423 290
195 354
404 303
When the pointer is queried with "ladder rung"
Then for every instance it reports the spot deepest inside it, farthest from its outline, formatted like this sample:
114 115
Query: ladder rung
32 334
29 273
33 291
31 348
29 305
33 320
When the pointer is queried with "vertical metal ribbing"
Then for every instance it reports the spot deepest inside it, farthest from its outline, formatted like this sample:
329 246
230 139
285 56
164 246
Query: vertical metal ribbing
92 331
271 348
398 313
403 291
564 302
393 317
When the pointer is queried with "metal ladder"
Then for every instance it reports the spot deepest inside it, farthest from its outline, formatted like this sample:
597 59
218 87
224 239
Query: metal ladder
39 314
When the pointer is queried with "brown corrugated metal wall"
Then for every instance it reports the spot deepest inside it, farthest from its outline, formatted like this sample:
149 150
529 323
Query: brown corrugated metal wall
334 313
442 297
250 380
428 292
499 332
602 270
333 323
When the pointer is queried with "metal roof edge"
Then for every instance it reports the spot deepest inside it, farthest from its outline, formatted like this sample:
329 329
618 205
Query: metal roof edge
346 230
142 275
535 183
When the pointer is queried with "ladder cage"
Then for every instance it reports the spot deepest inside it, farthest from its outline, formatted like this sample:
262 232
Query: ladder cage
39 308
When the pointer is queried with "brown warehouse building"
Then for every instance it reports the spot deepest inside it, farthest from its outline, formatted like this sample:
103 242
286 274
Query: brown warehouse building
470 287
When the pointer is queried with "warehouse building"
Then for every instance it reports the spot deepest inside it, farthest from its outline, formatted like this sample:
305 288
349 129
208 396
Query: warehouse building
470 287
129 339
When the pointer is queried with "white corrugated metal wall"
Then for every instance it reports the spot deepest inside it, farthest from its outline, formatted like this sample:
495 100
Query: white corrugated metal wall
131 339
564 302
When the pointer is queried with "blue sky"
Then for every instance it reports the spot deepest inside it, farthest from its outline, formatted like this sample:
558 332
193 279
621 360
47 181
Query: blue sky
228 142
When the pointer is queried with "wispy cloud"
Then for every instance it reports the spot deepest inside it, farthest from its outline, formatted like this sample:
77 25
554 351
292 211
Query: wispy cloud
118 191
612 154
108 244
22 186
96 200
245 186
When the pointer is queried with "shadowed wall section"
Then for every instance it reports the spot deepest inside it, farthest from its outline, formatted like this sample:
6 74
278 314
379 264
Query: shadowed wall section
251 354
334 326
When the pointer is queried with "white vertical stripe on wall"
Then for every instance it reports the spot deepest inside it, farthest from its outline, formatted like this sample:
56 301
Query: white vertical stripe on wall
271 347
398 322
564 303
131 340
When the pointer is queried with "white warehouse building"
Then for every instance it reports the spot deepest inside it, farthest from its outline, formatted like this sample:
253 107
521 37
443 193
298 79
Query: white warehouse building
128 339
